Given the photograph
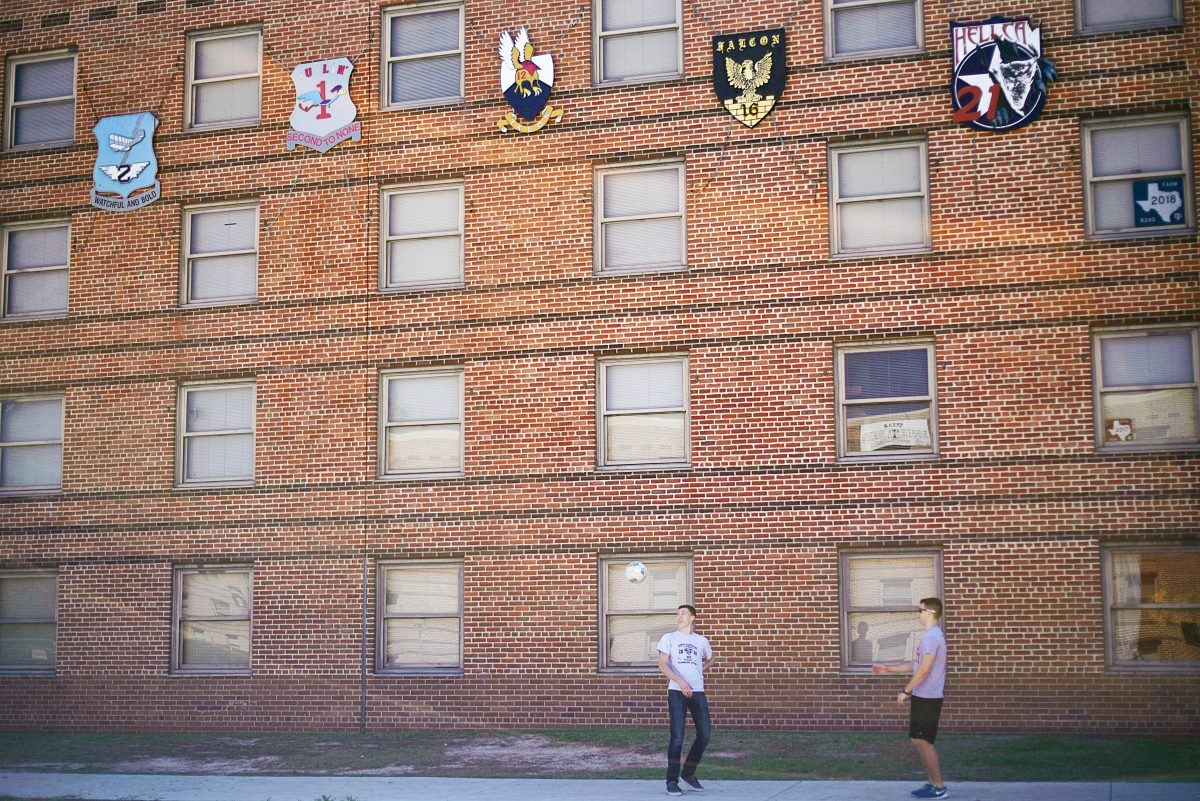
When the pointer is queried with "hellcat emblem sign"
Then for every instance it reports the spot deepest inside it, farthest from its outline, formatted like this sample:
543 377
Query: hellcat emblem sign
749 71
999 78
125 162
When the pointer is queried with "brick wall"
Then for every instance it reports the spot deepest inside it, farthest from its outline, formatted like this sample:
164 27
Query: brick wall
1018 502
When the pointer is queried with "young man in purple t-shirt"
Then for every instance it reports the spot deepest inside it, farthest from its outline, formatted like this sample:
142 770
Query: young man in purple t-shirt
923 692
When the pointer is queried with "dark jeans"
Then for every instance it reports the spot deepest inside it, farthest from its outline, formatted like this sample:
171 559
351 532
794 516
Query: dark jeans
679 705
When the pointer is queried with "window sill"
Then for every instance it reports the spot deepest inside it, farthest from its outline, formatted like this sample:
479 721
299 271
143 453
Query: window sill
917 457
629 671
400 290
445 672
1143 233
15 492
642 468
874 254
33 148
419 476
210 673
1178 446
637 79
834 59
221 126
26 318
211 304
437 102
669 268
215 485
1148 670
33 673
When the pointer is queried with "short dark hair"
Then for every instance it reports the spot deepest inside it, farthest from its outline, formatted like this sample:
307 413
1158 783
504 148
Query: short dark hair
933 605
689 607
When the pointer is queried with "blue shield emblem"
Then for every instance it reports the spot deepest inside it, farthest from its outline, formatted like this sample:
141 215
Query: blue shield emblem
125 162
526 80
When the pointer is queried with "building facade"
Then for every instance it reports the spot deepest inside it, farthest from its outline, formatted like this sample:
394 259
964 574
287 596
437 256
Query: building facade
341 403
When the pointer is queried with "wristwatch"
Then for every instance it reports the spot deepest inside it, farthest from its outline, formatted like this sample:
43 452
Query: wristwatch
906 692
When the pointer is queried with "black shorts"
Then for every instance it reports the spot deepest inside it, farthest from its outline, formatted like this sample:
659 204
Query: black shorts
923 717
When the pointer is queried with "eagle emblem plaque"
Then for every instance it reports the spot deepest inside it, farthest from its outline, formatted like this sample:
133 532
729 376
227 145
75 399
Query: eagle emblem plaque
749 71
999 78
526 80
323 114
125 162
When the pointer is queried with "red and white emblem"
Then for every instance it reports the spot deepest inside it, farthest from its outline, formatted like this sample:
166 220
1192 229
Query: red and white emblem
323 114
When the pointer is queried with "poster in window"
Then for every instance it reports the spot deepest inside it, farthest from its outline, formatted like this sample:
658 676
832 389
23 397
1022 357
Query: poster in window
1158 202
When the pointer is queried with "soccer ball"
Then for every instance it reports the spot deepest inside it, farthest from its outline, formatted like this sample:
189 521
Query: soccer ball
635 572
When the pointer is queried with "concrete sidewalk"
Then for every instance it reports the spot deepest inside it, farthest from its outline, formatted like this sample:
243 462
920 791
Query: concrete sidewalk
121 787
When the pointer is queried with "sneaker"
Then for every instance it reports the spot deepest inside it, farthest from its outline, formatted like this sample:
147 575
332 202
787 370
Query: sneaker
693 782
673 788
920 792
929 791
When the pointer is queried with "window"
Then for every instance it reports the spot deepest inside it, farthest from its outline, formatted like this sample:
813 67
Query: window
211 620
1138 177
1094 16
1152 607
635 616
223 75
886 401
423 55
216 434
28 621
421 424
880 595
221 261
637 39
420 617
643 412
423 237
33 270
858 28
880 199
1146 390
31 434
640 219
39 104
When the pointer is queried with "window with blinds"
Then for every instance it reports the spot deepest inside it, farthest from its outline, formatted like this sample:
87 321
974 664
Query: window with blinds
224 74
1152 607
28 621
420 617
39 101
636 616
221 256
421 424
644 414
31 444
880 595
211 620
640 221
423 55
886 402
216 434
422 237
880 199
1095 16
1146 388
33 270
1134 160
860 28
637 40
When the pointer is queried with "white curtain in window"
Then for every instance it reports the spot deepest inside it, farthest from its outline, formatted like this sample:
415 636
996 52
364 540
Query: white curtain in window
31 421
424 449
422 642
645 438
432 32
27 597
27 645
226 55
633 55
1147 360
215 594
634 639
878 224
220 409
229 456
877 27
890 171
641 192
1155 416
1116 13
215 643
226 101
44 122
223 277
1136 149
663 589
422 590
39 80
424 397
426 79
31 466
413 262
37 247
619 15
37 293
424 212
631 244
645 385
222 230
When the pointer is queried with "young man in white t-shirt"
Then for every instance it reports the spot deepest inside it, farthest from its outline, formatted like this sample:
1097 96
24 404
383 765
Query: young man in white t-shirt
682 657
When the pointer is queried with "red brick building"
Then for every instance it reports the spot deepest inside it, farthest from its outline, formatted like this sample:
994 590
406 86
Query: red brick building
317 439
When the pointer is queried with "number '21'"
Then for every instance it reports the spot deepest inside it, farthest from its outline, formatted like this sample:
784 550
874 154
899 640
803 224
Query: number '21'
970 105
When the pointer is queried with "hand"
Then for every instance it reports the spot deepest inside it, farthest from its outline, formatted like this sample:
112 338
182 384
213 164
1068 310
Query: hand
686 689
901 698
879 670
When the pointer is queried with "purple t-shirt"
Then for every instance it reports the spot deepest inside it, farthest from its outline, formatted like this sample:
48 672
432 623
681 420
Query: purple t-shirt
933 641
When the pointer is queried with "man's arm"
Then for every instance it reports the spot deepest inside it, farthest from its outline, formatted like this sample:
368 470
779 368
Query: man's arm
664 667
918 677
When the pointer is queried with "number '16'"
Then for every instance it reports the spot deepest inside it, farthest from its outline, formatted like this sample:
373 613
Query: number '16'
970 96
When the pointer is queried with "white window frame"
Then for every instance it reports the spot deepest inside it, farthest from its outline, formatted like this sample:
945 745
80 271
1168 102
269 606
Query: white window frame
830 14
185 275
27 669
844 560
602 413
382 616
40 489
10 103
836 202
1112 664
385 236
1098 387
385 379
177 621
599 35
1082 28
600 220
191 82
181 436
840 351
6 274
387 59
603 613
1185 155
